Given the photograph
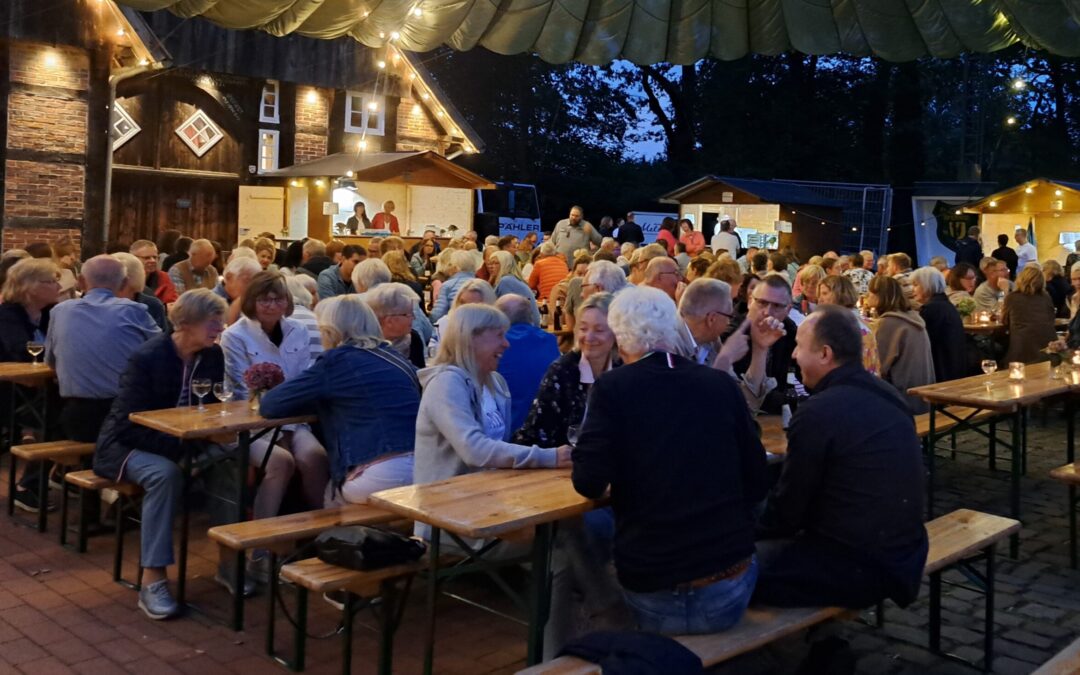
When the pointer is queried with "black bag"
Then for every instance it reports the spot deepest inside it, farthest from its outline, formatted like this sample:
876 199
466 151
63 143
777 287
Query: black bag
358 547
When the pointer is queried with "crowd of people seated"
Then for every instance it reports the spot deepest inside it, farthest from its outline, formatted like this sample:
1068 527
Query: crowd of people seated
428 363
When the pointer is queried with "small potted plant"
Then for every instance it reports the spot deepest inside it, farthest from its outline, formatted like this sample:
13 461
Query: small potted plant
966 307
261 378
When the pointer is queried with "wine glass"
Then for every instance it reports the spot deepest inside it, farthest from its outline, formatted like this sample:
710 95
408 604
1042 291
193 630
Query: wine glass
35 349
223 391
200 387
573 433
989 366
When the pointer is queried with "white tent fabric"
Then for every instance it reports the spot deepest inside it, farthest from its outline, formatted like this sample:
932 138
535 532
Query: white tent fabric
654 31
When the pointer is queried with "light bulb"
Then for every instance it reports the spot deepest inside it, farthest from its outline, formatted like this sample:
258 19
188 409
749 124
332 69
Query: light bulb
416 109
51 60
349 173
395 35
417 12
425 96
381 64
1018 84
1010 120
372 106
121 32
958 211
320 182
440 113
993 203
294 183
362 145
144 62
1058 193
1029 189
312 96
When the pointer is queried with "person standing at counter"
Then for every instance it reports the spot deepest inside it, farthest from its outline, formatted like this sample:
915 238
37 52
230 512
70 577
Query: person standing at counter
359 219
386 218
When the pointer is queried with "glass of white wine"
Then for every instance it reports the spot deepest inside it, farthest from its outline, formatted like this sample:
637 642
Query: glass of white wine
989 366
223 391
200 387
35 349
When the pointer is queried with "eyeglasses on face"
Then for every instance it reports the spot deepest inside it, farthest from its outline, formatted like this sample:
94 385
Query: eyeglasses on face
270 301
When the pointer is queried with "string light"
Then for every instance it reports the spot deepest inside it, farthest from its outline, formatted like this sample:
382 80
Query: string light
1010 120
993 203
1029 189
144 62
372 105
1058 193
1018 84
381 64
958 211
425 96
294 183
349 173
362 145
417 12
319 183
416 109
121 33
395 35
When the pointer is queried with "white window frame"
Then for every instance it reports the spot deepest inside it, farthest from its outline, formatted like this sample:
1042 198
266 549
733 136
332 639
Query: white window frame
276 156
133 128
365 120
211 141
272 87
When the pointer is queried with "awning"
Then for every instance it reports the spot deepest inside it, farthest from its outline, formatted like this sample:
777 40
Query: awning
411 168
654 31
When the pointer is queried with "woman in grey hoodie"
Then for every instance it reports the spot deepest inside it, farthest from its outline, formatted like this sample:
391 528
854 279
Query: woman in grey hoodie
464 425
902 341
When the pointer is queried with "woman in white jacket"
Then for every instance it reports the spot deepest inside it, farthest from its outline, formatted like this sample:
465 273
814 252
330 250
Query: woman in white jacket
265 334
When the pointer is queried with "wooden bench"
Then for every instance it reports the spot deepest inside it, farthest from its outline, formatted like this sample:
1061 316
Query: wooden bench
1067 474
60 453
957 538
943 423
1065 662
279 535
88 485
315 576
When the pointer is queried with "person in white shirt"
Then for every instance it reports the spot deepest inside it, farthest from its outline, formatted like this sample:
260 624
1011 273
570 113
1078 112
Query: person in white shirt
726 239
1025 251
264 333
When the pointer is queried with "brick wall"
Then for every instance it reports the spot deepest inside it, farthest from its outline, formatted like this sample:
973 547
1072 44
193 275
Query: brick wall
20 237
312 123
416 129
47 131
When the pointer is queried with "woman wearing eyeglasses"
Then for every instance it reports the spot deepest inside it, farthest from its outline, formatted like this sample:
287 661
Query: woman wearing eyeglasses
264 333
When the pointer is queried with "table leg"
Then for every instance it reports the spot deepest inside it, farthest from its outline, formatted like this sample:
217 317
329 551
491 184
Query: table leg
1014 486
11 458
43 494
540 592
185 517
432 596
243 450
1070 430
931 437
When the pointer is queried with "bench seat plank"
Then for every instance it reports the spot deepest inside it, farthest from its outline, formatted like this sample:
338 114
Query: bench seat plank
319 577
963 533
88 480
266 532
943 423
52 450
1066 474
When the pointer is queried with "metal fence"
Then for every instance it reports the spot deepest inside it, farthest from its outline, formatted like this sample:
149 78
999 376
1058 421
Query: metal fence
867 208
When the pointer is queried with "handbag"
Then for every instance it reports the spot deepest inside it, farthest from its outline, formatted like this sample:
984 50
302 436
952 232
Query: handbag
359 547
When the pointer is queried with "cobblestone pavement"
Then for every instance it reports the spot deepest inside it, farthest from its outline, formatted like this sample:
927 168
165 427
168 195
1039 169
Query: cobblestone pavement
60 612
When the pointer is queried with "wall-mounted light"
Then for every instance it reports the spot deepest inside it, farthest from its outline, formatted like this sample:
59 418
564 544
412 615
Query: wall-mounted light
311 96
349 173
51 59
381 64
372 105
361 145
294 183
416 109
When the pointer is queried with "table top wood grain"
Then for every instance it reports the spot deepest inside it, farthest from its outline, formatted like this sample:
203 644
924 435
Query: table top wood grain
773 437
189 423
996 391
25 373
488 503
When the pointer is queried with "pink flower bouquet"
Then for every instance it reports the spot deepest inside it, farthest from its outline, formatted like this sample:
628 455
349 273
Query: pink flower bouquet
263 377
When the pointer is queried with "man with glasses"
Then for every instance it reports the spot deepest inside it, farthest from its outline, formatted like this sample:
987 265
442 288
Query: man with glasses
706 310
772 336
157 282
663 274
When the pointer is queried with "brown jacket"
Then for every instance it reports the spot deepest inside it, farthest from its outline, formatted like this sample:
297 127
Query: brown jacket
1030 319
904 352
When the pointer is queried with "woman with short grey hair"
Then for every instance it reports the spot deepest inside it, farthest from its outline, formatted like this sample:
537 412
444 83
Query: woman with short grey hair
660 454
944 327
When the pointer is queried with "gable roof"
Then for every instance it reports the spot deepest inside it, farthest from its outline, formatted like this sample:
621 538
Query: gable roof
414 168
771 191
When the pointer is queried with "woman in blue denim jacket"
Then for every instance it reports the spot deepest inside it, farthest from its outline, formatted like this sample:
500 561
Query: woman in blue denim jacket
366 396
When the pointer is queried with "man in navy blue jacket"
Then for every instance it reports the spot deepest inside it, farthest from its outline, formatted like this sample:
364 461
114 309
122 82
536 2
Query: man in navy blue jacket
531 351
844 526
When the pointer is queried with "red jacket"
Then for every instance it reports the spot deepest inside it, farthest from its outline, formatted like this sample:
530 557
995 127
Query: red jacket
164 290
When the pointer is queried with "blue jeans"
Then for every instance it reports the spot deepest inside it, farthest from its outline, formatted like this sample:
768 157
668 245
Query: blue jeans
162 481
711 609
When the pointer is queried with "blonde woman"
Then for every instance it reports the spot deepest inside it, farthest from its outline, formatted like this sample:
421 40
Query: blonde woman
401 272
266 251
506 279
837 290
1029 314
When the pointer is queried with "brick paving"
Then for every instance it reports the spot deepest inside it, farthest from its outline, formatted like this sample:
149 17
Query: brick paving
60 612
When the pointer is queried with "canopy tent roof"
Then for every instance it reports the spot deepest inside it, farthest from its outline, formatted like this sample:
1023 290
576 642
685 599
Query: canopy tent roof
654 31
412 168
1040 195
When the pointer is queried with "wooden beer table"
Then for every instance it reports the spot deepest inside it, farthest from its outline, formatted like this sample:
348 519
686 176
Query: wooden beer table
994 327
192 424
488 505
998 394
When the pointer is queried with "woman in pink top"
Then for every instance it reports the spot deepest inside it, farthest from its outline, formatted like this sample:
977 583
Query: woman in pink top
666 235
695 241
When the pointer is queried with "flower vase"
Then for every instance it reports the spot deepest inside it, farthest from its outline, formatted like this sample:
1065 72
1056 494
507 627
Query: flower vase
256 399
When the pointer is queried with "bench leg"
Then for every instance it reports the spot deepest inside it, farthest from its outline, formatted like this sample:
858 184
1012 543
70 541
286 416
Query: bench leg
952 446
1072 526
44 468
1023 446
389 616
84 518
988 625
347 633
271 590
930 443
935 612
118 555
432 596
300 643
239 562
64 502
12 483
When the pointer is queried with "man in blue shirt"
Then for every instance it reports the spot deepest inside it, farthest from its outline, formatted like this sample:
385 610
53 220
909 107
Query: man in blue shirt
337 279
531 351
89 342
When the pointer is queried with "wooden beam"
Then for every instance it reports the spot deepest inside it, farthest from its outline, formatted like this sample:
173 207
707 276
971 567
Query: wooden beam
176 173
98 147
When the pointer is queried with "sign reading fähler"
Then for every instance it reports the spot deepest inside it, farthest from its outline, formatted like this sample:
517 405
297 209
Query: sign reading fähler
519 227
650 223
952 226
